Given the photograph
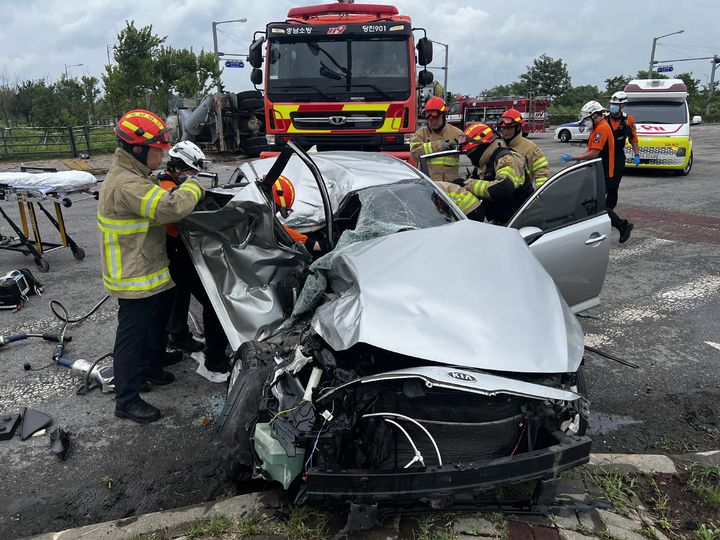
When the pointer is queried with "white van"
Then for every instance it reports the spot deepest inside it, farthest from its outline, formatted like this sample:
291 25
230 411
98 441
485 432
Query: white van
660 110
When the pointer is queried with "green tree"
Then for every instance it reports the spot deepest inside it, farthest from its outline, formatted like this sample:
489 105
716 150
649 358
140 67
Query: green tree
546 77
613 84
183 72
513 89
572 100
90 93
132 80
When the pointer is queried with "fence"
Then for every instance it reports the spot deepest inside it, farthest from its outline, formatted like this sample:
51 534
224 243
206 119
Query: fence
26 142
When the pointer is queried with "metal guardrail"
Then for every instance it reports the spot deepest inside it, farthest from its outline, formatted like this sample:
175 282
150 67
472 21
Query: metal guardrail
63 141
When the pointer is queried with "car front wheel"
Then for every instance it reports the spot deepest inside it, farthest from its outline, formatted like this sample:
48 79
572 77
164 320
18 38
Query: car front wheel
564 136
687 168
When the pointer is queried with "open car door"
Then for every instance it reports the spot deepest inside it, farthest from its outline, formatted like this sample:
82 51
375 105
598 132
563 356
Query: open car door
574 245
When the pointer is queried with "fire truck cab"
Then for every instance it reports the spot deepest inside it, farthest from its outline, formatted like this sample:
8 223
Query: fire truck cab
487 110
341 77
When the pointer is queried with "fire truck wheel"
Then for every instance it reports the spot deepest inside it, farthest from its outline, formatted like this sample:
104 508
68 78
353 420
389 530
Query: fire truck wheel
254 145
249 94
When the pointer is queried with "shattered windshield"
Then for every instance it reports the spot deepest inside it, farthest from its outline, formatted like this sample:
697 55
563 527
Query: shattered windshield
339 70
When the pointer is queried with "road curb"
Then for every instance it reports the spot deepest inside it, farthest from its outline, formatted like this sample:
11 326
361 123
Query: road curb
175 522
170 523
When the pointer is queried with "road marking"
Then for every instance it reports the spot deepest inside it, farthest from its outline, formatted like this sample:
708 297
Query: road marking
655 307
713 344
646 246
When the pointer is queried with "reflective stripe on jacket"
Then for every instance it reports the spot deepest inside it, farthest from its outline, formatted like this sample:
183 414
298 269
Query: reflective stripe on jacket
427 141
536 164
504 186
131 210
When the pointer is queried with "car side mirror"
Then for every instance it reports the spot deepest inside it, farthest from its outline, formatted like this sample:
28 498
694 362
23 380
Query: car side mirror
530 234
697 119
256 76
425 78
255 53
425 51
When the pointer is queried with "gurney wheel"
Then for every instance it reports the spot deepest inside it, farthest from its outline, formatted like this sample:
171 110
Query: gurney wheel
78 253
42 265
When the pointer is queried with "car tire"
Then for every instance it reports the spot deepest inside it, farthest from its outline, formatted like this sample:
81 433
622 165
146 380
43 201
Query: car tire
581 388
239 415
255 145
564 136
687 168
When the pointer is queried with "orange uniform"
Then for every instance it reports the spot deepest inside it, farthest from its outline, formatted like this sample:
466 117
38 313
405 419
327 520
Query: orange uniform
601 138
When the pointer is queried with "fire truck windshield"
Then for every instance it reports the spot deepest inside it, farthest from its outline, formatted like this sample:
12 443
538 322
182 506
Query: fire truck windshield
339 70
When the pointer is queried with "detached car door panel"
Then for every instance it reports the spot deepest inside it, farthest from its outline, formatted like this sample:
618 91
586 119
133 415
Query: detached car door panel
575 245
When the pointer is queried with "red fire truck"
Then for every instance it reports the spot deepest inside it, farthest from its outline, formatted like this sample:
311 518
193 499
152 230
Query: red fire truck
468 110
341 77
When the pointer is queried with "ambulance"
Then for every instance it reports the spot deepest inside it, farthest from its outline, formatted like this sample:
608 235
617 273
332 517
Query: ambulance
662 118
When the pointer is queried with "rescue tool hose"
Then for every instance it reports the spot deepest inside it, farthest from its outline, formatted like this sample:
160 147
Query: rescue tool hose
611 357
65 318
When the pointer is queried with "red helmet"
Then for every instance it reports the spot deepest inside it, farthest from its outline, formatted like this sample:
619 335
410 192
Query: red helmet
480 133
283 192
143 128
511 117
435 104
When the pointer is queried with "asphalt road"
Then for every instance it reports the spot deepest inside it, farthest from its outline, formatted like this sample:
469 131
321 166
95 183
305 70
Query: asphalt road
659 306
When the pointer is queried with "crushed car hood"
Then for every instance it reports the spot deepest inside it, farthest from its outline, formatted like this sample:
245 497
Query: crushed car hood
464 294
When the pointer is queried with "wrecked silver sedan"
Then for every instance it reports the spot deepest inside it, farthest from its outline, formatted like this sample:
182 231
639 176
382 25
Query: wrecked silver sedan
422 357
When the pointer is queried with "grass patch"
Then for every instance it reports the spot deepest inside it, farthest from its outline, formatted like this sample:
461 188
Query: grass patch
211 527
435 527
501 523
616 485
705 481
708 531
304 523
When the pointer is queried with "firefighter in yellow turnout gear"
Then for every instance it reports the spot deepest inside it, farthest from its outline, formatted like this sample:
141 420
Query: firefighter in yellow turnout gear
131 210
499 178
509 127
437 136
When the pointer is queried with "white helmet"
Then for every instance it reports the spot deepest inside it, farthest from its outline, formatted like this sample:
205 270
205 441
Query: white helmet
189 153
590 108
619 98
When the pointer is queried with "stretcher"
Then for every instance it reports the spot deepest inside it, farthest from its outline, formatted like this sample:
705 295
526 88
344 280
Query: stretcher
30 189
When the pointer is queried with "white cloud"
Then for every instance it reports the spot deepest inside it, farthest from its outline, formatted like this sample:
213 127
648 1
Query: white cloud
490 42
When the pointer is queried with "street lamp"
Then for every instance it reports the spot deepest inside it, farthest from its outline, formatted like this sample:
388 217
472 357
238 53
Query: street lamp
445 68
215 45
652 54
69 66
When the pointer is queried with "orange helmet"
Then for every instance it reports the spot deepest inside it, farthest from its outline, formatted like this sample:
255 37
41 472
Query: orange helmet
283 192
435 104
476 134
511 117
143 128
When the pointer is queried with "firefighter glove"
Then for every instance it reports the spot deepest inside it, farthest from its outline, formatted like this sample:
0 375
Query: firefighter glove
448 144
636 160
567 156
459 181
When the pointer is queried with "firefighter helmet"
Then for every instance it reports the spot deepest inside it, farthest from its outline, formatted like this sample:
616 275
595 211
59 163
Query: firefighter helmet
590 108
435 104
619 98
511 117
283 193
475 135
190 154
143 128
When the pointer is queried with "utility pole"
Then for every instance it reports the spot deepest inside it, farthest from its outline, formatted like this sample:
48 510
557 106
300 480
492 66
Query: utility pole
218 54
711 87
652 53
69 66
444 68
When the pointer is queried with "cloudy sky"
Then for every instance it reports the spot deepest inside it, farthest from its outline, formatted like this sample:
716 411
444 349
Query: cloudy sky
490 42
